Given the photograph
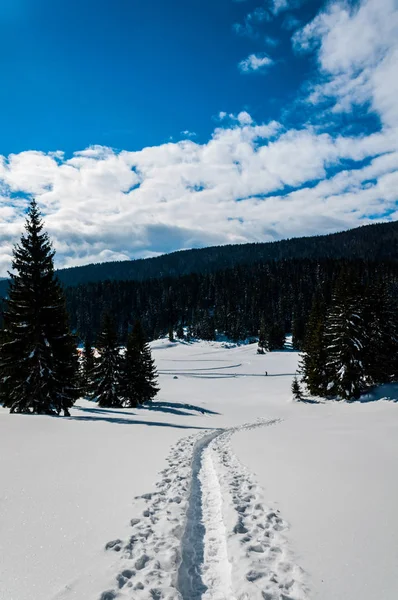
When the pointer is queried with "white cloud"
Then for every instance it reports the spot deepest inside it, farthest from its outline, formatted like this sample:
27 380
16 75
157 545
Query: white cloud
357 50
255 62
188 134
107 205
253 19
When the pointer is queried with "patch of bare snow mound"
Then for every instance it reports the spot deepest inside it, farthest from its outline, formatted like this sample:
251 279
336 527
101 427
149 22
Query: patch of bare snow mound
206 533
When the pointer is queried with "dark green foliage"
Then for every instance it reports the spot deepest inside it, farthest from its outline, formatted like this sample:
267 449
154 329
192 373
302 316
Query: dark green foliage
296 389
353 344
263 341
299 324
180 331
38 361
235 299
381 316
138 382
87 368
106 377
346 338
314 356
276 334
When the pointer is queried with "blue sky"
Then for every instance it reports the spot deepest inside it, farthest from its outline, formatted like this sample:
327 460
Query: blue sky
129 74
145 127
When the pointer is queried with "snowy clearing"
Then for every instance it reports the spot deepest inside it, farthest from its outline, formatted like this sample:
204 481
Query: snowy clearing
224 490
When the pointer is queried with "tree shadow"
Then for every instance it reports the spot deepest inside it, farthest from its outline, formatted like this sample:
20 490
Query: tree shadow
122 421
387 392
178 408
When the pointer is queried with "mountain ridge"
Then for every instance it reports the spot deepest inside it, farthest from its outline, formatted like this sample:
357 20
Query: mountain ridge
378 241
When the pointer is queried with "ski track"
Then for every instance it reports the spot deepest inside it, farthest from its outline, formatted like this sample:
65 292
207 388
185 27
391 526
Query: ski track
205 533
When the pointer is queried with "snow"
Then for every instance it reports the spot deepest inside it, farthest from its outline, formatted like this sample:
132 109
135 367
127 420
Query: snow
225 489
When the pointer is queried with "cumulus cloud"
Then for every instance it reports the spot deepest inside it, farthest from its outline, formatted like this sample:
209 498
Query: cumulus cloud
255 63
357 52
249 182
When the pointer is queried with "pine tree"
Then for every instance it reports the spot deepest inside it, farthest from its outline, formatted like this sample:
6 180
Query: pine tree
276 335
180 331
381 352
313 363
131 370
346 340
262 337
106 376
87 367
139 378
38 362
296 389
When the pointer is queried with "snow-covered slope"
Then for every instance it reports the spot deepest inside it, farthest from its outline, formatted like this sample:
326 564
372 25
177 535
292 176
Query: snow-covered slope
224 490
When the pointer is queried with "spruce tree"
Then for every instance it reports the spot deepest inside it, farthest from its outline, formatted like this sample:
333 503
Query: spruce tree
106 376
296 389
346 340
87 367
139 378
180 331
381 319
38 362
131 372
276 335
313 362
262 337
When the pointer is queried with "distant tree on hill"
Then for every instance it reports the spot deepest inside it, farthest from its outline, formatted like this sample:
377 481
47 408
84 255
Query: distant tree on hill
38 360
106 375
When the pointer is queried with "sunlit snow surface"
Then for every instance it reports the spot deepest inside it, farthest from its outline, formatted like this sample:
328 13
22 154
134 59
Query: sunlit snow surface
282 496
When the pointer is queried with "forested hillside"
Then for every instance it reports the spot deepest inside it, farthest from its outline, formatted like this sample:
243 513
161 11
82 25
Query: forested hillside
378 241
234 301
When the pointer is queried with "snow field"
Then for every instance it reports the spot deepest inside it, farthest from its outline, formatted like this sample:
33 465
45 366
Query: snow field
193 495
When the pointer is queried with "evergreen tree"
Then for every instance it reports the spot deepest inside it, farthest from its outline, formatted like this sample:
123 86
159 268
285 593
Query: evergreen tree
298 330
296 389
143 382
149 379
381 319
313 363
38 362
276 335
346 340
171 333
262 337
87 367
106 376
131 375
180 331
